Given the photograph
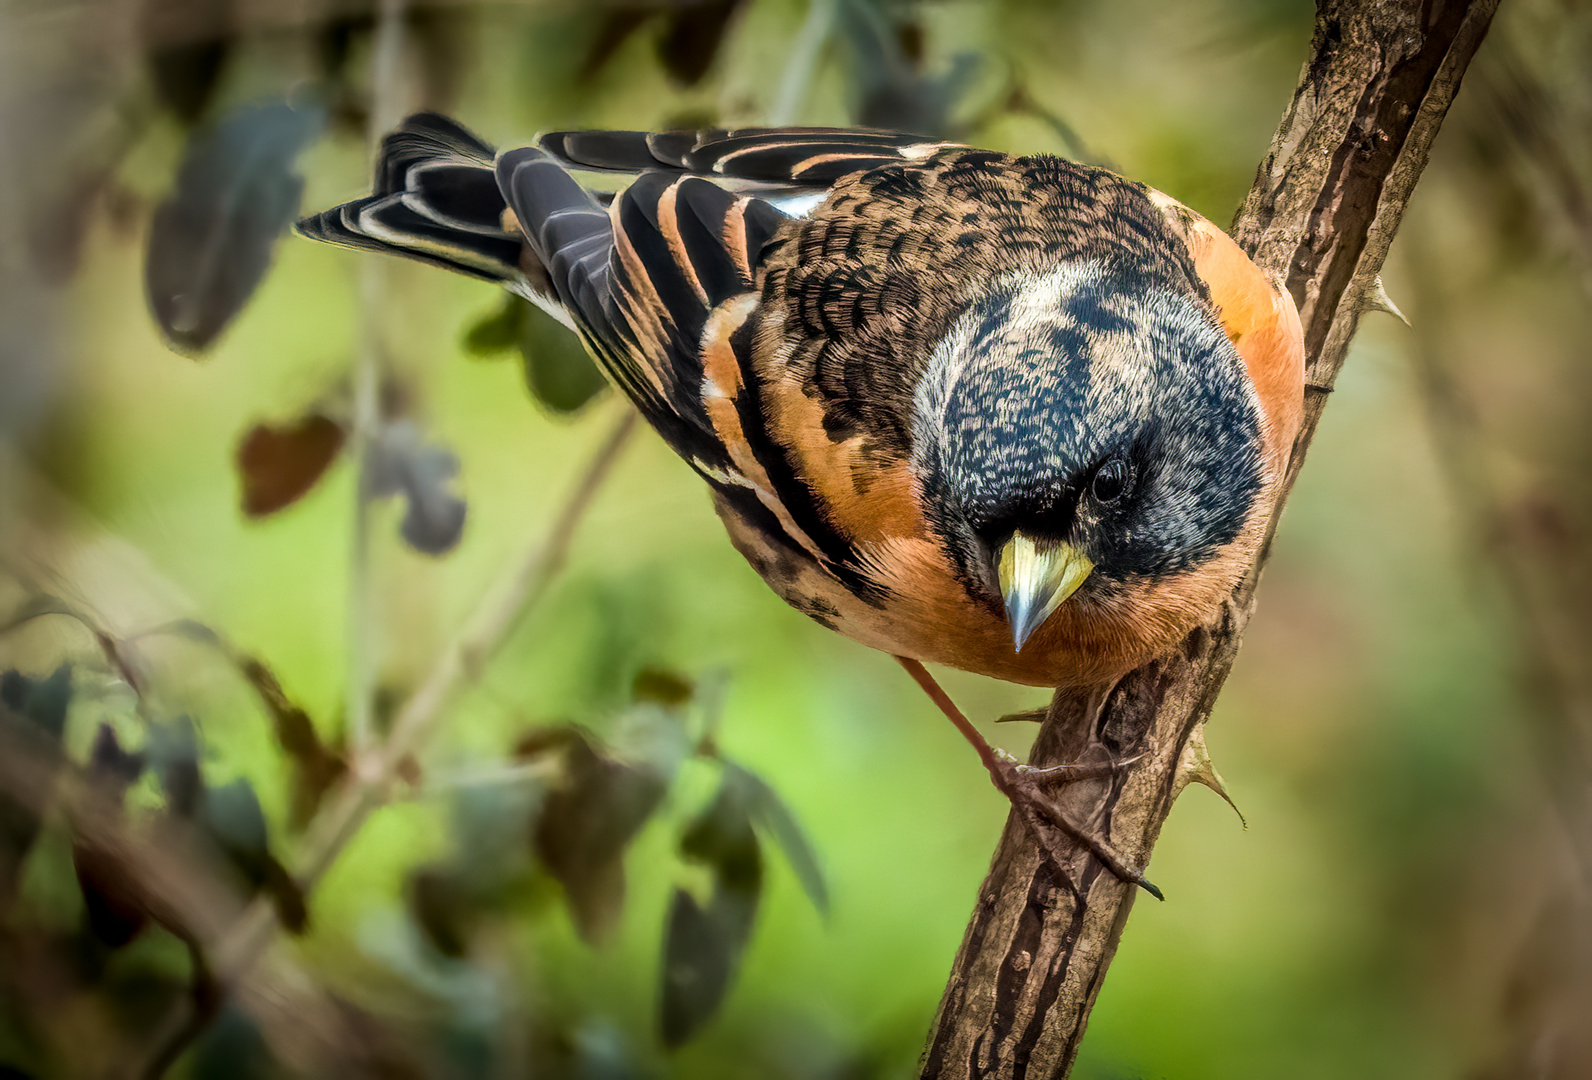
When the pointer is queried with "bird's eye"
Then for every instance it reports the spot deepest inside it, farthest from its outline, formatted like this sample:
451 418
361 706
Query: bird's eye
1110 481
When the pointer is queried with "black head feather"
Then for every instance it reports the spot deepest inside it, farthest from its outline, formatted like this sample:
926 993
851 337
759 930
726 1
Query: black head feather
1089 405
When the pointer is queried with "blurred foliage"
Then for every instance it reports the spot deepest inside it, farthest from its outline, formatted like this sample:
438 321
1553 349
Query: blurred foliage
1406 730
210 242
558 372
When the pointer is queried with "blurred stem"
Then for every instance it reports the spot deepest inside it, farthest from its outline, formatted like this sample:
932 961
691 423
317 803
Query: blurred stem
360 688
362 622
502 608
474 779
803 63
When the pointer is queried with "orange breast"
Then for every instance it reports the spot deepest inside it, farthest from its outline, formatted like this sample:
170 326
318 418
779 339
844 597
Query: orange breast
930 616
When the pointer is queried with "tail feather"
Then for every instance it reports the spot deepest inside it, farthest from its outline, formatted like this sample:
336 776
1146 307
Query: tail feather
436 199
422 139
640 275
569 231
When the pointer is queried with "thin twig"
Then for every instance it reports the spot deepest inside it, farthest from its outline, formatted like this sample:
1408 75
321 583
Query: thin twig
491 776
359 692
803 63
505 603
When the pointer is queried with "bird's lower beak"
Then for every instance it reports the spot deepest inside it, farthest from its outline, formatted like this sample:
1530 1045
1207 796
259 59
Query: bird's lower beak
1036 579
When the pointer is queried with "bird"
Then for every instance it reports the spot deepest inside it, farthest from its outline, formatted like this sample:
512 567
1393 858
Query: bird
1016 415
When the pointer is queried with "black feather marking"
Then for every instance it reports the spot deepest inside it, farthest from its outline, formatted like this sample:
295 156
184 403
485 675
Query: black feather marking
462 196
449 134
638 217
701 208
762 220
793 492
435 200
812 163
340 226
575 239
783 157
423 138
671 147
392 222
896 181
711 145
776 542
328 226
604 151
567 230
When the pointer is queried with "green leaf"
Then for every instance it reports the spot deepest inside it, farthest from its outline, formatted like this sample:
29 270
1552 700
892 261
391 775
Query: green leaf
402 461
32 717
173 754
702 949
662 687
557 369
558 372
113 769
703 943
498 332
721 837
489 829
770 813
43 701
654 736
233 818
211 241
585 825
442 907
277 466
315 767
232 1048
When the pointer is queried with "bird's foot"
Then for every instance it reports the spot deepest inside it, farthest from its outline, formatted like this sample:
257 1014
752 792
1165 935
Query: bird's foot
1030 790
1029 787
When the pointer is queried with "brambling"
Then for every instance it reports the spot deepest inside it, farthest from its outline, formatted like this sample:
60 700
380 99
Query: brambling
1015 415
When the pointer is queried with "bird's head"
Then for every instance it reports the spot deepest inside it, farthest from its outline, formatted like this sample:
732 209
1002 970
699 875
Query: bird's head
1082 433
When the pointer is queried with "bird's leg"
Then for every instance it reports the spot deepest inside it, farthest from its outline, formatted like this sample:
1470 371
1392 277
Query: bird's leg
1025 786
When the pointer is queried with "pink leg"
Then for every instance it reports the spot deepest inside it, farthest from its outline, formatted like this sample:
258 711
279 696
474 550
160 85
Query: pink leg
1025 787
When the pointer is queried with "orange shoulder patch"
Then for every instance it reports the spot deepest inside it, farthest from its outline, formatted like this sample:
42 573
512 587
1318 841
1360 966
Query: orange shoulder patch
1259 317
869 500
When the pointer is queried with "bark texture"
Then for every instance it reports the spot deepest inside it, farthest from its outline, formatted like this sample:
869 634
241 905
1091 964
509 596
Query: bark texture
1323 210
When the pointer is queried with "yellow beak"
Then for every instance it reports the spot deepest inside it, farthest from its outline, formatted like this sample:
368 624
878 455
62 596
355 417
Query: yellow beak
1035 580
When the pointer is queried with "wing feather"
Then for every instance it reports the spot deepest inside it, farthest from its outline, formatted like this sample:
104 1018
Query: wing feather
434 199
779 159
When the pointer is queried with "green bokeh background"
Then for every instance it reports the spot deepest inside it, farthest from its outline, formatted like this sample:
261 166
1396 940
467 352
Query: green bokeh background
1372 731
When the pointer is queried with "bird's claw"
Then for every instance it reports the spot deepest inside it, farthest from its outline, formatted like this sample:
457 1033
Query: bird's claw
1025 786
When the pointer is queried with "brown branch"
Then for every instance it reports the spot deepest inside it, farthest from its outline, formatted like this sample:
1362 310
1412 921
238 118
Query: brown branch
1325 205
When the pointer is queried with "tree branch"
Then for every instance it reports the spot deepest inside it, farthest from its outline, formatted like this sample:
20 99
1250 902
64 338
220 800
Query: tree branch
1325 205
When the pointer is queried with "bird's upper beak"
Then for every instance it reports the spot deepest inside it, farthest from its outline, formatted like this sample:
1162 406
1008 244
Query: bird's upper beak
1035 580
